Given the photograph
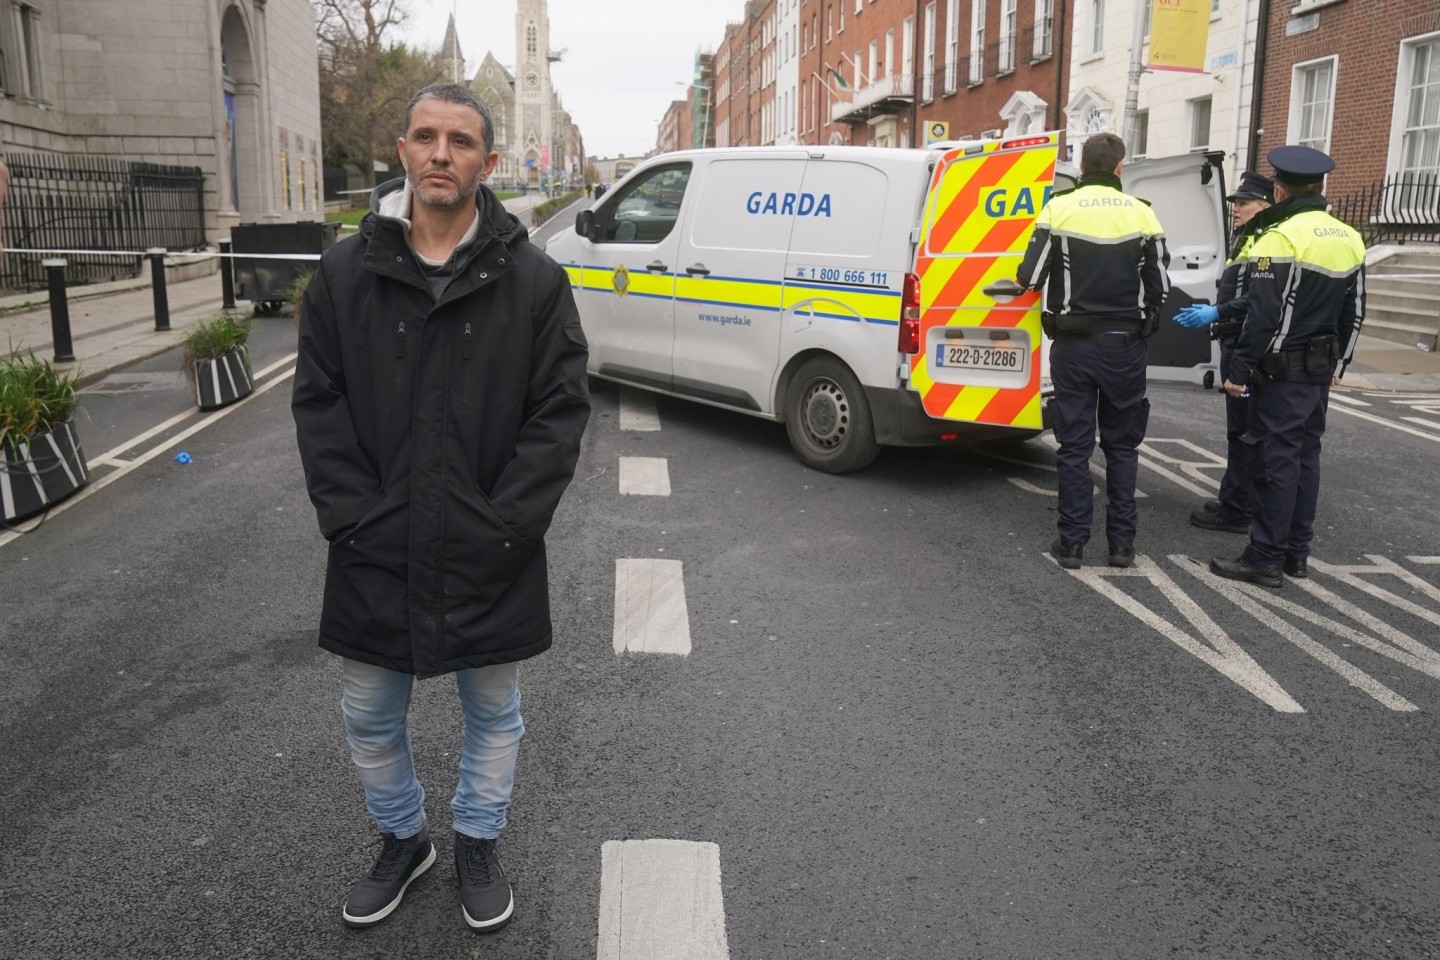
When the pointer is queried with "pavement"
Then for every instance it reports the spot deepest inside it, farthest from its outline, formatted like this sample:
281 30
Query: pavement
112 326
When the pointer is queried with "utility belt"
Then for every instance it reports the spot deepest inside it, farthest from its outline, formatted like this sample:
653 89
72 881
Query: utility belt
1067 326
1225 329
1315 359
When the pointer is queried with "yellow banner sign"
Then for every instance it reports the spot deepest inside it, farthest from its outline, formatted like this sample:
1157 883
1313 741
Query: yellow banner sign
1178 32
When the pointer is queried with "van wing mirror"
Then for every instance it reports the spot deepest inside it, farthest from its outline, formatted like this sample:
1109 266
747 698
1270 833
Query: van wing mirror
584 223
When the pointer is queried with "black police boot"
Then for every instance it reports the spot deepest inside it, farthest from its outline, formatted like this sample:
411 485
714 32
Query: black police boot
1214 518
485 897
1297 569
1238 569
400 862
1122 556
1067 554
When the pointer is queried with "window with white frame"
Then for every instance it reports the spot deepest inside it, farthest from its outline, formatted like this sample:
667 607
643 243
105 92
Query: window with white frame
1420 135
887 66
1095 34
907 47
859 5
927 61
29 19
1009 22
952 44
1044 44
1312 103
1199 110
872 64
1141 146
977 40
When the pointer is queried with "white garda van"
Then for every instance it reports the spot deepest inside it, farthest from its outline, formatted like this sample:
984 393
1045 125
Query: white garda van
862 296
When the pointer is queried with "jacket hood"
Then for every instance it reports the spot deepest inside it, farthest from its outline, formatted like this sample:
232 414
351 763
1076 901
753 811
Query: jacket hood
390 204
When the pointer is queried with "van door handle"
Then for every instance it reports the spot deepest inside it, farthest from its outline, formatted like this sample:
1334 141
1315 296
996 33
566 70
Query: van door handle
698 270
655 266
1002 291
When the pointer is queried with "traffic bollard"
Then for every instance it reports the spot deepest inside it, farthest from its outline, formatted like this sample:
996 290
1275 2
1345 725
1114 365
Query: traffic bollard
157 281
59 311
227 276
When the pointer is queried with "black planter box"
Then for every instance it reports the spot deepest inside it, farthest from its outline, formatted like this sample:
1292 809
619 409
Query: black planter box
44 470
223 380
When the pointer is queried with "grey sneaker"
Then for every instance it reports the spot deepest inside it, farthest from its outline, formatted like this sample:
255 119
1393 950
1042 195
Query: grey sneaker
400 862
485 896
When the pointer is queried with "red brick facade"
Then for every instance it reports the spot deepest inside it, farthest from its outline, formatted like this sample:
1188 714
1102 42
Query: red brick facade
1367 46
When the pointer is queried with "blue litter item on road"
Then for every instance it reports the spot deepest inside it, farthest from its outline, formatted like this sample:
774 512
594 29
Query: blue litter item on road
182 457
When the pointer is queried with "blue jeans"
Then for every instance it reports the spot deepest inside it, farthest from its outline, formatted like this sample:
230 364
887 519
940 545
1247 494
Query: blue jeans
375 701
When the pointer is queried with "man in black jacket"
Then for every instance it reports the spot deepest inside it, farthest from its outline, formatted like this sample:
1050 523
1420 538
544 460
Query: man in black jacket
440 397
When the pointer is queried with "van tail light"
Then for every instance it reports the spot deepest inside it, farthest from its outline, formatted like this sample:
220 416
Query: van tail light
910 315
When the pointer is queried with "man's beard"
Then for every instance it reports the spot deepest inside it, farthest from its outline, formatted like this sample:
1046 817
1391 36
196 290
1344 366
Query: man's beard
464 194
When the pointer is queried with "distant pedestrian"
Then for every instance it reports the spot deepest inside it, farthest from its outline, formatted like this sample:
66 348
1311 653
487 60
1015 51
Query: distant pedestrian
599 190
439 401
1103 254
587 191
1231 511
1304 308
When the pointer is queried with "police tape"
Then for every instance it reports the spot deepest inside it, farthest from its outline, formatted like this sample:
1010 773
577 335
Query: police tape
202 254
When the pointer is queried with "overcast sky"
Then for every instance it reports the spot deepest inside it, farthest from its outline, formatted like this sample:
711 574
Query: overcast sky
622 57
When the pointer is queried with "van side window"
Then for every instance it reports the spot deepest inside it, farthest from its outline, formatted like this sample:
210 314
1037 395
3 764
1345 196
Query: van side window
646 210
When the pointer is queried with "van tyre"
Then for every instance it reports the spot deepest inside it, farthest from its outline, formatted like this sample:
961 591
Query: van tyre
827 417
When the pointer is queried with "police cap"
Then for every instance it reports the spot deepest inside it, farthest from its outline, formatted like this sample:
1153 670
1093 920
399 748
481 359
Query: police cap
1254 186
1299 165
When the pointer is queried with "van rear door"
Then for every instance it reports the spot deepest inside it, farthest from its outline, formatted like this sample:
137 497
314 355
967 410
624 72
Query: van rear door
1187 194
979 356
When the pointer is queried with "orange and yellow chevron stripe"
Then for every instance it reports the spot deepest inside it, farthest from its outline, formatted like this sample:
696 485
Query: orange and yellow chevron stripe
982 203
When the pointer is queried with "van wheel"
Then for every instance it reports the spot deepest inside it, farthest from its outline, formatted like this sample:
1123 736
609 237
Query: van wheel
827 417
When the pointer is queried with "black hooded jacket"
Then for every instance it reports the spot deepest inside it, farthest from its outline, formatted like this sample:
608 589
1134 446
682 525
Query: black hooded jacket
437 438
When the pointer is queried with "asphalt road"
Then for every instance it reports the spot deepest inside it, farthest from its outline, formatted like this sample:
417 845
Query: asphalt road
909 733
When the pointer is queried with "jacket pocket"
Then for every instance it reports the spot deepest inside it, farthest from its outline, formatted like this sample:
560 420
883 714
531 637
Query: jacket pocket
483 555
367 581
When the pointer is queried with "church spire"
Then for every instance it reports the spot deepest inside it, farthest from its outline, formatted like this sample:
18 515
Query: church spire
450 53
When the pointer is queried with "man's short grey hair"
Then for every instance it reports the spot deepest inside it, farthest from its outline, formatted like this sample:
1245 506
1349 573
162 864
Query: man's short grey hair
454 93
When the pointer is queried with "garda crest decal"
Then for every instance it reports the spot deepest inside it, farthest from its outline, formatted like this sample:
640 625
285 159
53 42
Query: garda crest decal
1262 264
620 280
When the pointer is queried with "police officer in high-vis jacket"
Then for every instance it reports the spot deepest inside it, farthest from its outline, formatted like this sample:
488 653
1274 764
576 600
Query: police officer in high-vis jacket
1231 511
1103 253
1305 304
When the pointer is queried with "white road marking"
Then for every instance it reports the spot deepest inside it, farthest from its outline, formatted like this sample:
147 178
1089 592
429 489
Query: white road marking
1404 641
1171 475
1246 597
1382 565
1388 423
1335 395
1423 559
637 410
645 476
1029 487
1221 653
1421 421
661 900
132 465
650 611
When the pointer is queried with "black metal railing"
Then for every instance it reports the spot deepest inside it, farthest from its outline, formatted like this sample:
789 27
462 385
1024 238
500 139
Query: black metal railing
1402 208
58 202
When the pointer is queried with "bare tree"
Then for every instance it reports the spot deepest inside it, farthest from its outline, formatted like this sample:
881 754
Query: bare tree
366 78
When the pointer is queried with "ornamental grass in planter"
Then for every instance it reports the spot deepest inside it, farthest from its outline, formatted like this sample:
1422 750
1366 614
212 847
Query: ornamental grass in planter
41 461
217 360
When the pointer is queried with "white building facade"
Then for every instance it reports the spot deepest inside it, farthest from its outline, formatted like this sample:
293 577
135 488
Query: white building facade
1177 112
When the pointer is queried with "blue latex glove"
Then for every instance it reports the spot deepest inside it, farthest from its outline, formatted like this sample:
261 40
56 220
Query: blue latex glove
1197 315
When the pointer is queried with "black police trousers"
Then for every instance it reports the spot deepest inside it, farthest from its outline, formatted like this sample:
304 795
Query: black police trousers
1240 452
1287 422
1098 382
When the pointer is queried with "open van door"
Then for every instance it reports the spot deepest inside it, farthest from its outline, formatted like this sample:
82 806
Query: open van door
1187 193
979 338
